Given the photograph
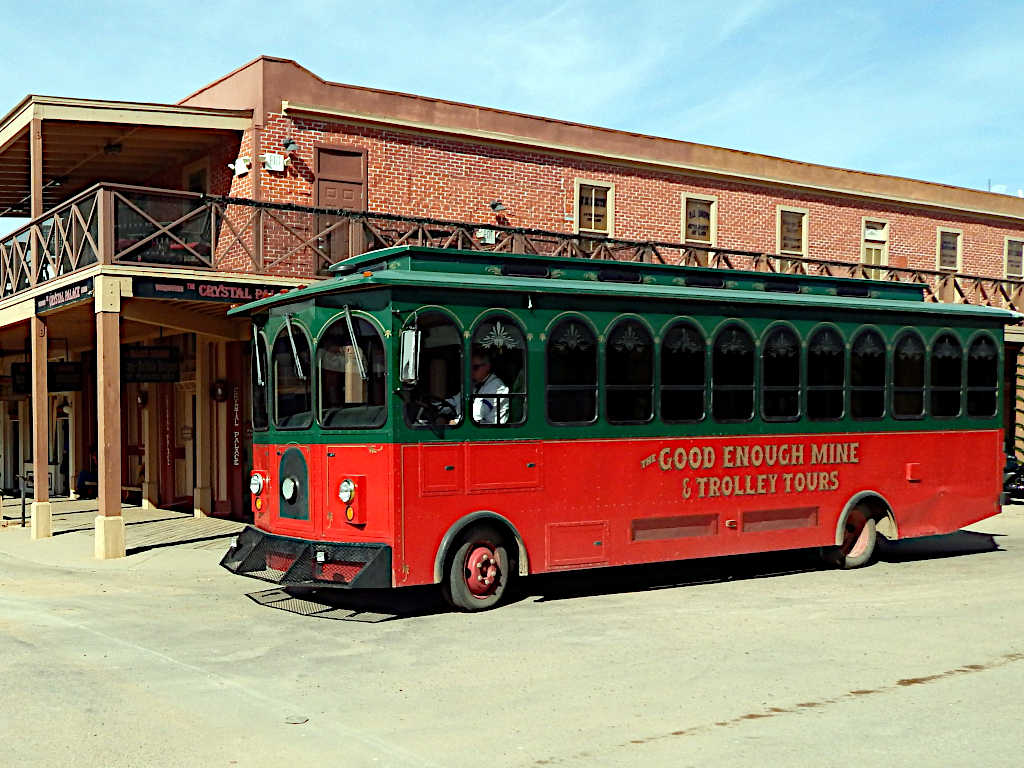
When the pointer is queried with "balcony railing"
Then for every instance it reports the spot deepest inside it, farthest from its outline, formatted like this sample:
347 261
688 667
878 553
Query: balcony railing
116 224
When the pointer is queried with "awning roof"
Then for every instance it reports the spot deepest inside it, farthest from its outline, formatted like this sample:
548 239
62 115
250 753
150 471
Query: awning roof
86 141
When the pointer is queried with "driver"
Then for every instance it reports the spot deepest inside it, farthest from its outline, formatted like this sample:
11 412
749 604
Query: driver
488 405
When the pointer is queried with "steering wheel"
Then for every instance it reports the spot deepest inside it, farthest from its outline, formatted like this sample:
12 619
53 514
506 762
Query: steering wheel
436 405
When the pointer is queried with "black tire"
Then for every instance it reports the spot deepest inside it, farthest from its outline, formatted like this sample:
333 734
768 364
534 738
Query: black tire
860 538
464 586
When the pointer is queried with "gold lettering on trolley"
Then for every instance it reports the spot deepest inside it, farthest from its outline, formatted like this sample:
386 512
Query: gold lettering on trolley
799 459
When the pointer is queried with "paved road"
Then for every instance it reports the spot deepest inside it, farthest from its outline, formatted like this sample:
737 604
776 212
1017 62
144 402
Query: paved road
165 660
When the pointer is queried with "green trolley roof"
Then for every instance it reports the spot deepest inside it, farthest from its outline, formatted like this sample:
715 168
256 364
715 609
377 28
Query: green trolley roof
450 269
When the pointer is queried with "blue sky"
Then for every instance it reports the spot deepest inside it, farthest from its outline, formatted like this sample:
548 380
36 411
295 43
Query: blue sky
929 90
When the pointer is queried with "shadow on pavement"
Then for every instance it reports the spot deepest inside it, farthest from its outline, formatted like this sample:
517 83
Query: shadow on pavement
375 606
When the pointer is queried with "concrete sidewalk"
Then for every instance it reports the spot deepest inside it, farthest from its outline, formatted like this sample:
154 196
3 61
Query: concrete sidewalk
148 534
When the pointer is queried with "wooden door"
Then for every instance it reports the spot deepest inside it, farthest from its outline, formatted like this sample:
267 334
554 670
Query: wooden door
341 183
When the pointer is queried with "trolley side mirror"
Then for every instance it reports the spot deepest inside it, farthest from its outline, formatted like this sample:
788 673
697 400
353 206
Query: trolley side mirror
409 357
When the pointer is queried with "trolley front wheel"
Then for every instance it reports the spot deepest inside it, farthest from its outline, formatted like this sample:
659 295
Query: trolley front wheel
478 570
859 539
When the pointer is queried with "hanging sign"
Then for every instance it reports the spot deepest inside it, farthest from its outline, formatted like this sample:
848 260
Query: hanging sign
60 377
150 364
201 290
62 297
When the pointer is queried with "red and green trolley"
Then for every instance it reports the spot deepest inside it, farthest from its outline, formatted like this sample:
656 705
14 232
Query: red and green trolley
453 417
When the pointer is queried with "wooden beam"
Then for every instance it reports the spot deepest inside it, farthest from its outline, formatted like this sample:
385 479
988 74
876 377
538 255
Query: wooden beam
36 167
41 519
109 524
166 315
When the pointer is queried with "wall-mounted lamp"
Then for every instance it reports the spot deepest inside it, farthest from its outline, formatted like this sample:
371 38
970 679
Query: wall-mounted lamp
241 166
64 409
142 398
290 145
497 206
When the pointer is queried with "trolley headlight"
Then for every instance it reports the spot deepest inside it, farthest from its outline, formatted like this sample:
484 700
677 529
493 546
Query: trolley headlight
256 484
347 491
289 489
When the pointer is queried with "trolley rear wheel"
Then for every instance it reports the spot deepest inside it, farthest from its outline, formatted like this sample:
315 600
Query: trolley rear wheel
860 536
478 570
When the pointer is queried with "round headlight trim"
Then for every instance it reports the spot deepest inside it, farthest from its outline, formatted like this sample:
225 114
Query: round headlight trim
289 489
256 484
346 491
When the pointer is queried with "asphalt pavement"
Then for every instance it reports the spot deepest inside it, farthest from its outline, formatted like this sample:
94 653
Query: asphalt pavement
164 659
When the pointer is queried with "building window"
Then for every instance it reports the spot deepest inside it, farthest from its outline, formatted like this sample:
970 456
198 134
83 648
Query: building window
875 246
949 248
792 230
700 219
595 207
1014 258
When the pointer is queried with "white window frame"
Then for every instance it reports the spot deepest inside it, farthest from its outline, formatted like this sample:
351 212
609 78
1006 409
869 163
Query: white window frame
865 243
959 248
713 233
610 186
1006 255
779 210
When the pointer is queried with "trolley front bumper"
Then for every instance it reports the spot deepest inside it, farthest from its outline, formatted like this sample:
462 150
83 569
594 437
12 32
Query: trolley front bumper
300 562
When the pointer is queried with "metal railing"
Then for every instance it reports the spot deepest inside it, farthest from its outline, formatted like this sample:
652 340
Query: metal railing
118 224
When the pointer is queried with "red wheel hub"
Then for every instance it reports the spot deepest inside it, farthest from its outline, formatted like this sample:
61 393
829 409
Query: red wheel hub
482 571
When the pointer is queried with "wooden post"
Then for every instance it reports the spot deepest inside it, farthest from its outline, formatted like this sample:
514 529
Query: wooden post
109 523
151 446
76 457
41 514
202 432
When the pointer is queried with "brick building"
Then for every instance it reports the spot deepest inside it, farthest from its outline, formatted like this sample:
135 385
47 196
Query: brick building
139 239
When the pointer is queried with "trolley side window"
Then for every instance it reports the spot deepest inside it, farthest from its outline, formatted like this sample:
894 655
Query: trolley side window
947 361
572 373
260 383
351 375
683 364
908 365
780 375
867 376
293 401
732 375
826 375
437 398
629 374
982 377
498 372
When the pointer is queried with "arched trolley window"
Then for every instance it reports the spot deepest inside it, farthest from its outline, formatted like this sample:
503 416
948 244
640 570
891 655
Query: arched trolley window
437 400
498 372
351 375
947 362
683 371
826 375
260 382
867 376
572 373
629 373
780 375
293 401
982 377
732 375
908 366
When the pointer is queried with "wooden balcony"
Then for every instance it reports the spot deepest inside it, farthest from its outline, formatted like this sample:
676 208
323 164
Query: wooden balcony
115 224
